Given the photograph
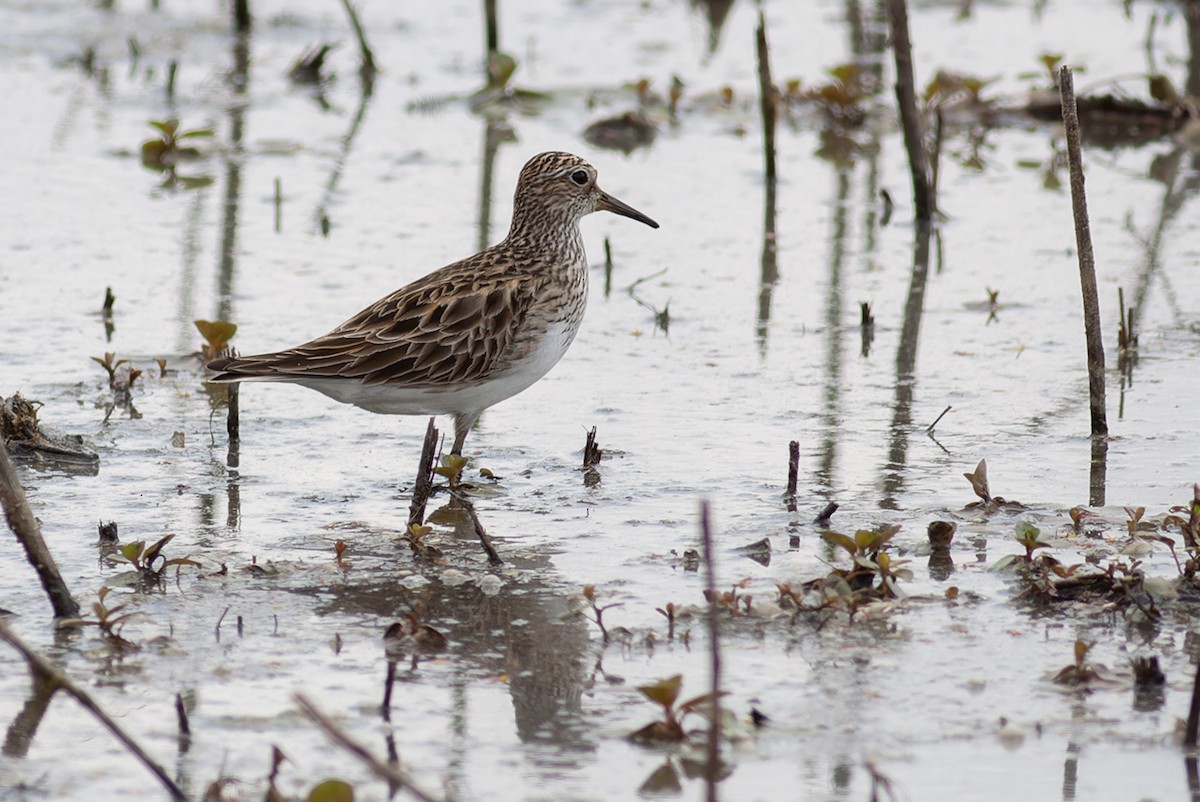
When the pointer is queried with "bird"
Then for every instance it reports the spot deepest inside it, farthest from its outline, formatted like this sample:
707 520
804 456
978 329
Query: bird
468 335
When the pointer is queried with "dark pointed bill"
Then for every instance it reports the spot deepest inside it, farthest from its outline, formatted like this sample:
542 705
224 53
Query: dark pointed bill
608 203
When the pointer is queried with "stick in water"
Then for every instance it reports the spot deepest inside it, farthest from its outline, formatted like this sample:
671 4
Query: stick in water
1087 258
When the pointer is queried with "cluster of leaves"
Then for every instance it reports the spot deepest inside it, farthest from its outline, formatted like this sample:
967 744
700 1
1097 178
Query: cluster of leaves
117 381
874 573
148 562
665 694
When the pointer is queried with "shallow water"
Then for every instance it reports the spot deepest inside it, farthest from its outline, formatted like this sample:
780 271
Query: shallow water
528 703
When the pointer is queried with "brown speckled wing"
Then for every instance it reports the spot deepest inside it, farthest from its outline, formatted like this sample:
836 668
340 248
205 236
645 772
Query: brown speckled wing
446 328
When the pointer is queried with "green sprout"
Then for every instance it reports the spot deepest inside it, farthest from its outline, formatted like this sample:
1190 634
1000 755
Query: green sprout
665 694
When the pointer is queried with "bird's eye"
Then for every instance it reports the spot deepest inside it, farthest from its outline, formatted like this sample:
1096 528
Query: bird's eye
580 177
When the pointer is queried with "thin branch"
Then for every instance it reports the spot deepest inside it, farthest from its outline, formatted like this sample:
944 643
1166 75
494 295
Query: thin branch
40 666
1087 258
910 120
25 526
388 773
480 532
712 769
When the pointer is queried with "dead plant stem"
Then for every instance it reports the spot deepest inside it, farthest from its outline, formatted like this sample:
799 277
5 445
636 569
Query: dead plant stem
40 666
712 767
1087 258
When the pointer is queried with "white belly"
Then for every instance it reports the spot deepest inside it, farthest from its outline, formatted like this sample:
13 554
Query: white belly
452 398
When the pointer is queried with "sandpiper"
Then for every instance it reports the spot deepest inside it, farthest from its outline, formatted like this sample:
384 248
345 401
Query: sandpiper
473 333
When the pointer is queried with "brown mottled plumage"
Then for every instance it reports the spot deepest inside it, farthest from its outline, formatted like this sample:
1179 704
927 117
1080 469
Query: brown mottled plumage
473 333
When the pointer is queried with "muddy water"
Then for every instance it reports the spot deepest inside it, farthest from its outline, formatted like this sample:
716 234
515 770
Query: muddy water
527 702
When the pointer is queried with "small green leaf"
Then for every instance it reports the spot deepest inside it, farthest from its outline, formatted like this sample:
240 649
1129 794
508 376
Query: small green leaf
331 791
196 134
166 127
664 692
1027 532
837 538
132 551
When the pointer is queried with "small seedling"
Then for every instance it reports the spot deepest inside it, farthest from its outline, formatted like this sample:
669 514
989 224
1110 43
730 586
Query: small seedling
216 334
1135 518
668 613
110 363
1079 672
110 620
166 150
452 468
1030 537
1191 525
143 558
665 693
865 549
589 594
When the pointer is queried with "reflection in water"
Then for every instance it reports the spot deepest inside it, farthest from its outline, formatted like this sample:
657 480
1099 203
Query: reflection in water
530 634
769 273
495 133
906 364
716 11
1097 476
25 726
239 79
831 408
366 90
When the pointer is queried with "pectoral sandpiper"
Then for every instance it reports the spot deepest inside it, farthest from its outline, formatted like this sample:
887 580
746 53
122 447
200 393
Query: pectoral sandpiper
473 333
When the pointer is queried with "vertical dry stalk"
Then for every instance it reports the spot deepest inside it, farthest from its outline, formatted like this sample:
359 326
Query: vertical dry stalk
1087 258
910 119
793 474
25 527
241 16
366 65
41 667
424 484
233 417
713 762
768 96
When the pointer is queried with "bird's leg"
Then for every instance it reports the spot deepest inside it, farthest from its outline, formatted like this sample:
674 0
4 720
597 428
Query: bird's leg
463 421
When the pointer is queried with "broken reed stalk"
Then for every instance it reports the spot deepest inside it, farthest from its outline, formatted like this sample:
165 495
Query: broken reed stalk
712 767
424 484
480 532
768 97
384 771
937 420
591 452
491 29
1087 258
241 16
25 527
793 474
41 667
366 67
910 119
233 419
278 205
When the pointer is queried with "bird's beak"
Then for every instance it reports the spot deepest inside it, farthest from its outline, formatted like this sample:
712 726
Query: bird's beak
607 203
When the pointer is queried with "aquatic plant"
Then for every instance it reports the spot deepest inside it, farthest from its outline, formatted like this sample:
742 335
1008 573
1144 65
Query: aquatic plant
166 150
589 595
216 334
665 694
